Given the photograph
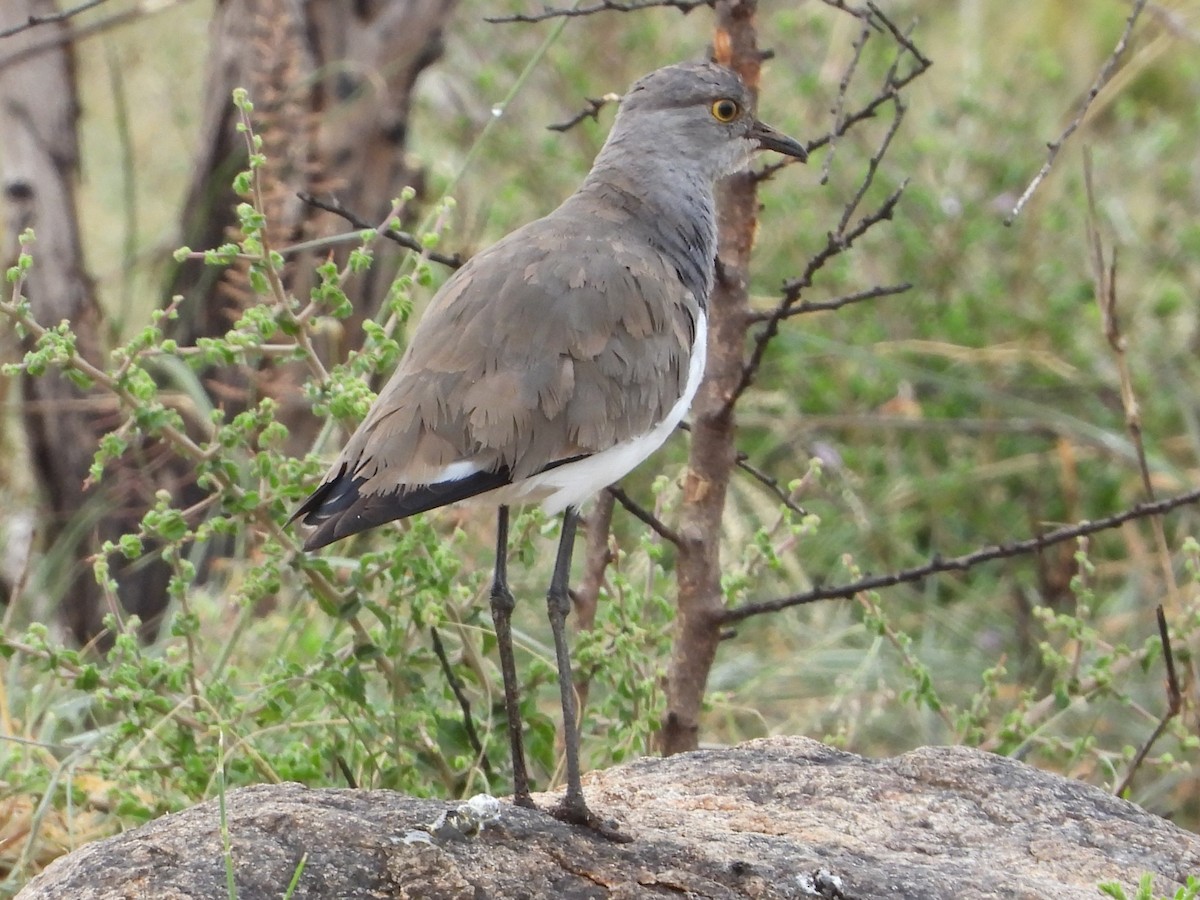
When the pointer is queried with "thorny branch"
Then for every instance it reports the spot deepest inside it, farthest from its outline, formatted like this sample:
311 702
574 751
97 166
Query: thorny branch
1102 77
893 81
839 106
684 6
403 238
937 565
840 240
835 244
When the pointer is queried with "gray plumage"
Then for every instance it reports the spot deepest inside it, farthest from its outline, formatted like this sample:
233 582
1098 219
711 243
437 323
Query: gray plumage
578 334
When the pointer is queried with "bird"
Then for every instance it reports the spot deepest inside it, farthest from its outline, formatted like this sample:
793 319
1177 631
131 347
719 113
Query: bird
556 360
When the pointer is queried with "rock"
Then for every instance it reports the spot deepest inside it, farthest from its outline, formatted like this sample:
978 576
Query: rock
773 818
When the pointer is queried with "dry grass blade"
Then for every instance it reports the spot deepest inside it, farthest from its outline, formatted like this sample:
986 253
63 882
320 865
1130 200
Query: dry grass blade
1105 280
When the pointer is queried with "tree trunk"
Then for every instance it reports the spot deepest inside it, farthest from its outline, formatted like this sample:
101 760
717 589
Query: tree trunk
331 85
38 112
711 463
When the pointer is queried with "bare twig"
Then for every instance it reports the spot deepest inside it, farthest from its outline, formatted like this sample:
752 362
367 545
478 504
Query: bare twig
839 241
812 306
403 238
937 565
640 512
344 768
835 244
771 484
859 12
1102 77
872 166
893 83
839 106
1174 705
61 16
592 111
465 704
684 6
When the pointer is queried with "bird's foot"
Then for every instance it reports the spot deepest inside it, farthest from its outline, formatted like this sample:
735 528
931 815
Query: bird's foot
524 801
574 811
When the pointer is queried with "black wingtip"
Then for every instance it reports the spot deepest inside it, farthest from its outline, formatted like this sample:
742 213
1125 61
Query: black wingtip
325 508
338 508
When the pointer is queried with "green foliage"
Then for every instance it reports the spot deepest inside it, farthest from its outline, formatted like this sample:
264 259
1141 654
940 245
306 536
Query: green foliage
1145 890
246 684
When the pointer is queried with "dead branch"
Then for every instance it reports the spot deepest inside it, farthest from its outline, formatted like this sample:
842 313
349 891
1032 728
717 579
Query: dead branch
1104 278
1102 77
835 244
464 704
839 106
591 112
872 166
1174 704
684 6
937 565
844 236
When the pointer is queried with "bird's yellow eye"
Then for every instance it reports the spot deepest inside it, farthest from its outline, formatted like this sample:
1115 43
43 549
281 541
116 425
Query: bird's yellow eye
725 110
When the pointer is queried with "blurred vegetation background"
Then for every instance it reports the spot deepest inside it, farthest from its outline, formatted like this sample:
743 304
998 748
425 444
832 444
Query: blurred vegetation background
980 407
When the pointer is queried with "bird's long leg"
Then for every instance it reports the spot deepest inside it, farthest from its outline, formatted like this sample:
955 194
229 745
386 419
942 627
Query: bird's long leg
502 603
572 808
